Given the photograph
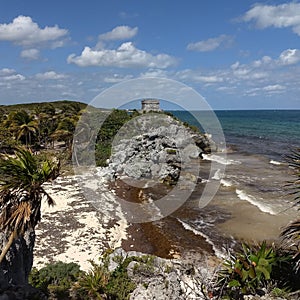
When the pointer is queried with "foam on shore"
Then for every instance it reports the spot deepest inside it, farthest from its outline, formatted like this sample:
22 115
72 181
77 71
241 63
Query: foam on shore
251 199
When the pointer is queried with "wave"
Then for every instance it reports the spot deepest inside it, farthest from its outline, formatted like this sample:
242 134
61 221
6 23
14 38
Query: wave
251 199
186 226
226 183
274 162
217 175
221 160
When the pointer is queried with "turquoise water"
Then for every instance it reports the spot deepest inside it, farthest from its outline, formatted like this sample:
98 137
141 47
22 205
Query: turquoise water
267 132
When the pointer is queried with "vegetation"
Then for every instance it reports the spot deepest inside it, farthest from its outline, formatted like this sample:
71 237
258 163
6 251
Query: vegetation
55 279
38 125
67 281
21 192
291 233
112 124
252 269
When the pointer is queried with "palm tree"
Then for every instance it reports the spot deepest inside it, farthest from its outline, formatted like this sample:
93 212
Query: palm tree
23 125
21 193
291 233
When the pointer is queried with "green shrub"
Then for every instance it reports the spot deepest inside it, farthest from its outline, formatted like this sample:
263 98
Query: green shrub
99 283
55 279
251 270
92 284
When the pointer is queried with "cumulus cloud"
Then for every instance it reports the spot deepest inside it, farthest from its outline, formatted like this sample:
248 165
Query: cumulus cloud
289 57
126 56
31 54
119 33
267 90
23 31
198 76
6 71
280 16
211 44
50 75
10 75
273 88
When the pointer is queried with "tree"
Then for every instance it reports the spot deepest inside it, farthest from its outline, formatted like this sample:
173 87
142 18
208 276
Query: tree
23 125
21 194
291 233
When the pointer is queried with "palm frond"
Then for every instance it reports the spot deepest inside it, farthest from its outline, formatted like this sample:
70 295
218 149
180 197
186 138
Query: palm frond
25 172
19 218
292 232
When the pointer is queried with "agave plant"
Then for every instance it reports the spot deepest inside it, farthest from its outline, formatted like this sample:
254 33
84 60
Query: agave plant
291 233
21 192
250 270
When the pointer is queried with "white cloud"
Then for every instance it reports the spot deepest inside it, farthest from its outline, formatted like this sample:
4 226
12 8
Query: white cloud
50 75
280 16
119 33
289 57
6 71
198 76
211 44
8 75
155 73
209 79
266 90
115 78
23 31
126 56
273 88
13 77
31 54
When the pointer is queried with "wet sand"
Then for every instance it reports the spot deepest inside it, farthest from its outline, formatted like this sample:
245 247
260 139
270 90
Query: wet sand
167 237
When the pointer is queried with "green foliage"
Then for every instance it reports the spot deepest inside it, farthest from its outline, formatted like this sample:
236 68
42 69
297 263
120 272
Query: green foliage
55 279
112 124
91 284
250 270
120 285
25 171
99 283
291 233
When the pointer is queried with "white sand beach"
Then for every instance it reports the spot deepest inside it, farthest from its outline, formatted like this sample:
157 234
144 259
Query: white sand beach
73 230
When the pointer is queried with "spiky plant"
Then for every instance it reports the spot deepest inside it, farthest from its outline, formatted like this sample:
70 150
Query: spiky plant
291 233
21 192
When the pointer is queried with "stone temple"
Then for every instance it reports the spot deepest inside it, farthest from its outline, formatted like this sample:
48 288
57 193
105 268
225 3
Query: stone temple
150 105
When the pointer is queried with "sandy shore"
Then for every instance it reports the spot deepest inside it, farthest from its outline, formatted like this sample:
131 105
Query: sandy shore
73 230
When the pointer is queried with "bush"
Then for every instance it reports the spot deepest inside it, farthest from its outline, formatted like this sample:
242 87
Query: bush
251 270
99 283
55 279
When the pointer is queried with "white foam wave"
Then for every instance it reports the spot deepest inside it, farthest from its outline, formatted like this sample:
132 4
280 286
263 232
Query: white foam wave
221 160
186 226
217 175
226 183
251 199
274 162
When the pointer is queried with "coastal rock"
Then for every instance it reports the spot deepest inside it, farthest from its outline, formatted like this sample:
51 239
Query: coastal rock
160 154
159 278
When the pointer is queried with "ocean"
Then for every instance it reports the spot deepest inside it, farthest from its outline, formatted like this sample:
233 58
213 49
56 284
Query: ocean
252 203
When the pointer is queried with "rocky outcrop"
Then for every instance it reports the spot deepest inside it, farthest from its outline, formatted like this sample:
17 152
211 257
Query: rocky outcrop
158 278
155 147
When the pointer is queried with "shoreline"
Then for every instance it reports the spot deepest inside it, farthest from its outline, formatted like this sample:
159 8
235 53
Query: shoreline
75 231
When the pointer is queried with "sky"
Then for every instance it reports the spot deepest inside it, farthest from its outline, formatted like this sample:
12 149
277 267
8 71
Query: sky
236 54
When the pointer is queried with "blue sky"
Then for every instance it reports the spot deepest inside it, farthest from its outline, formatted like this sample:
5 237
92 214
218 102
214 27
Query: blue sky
236 54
